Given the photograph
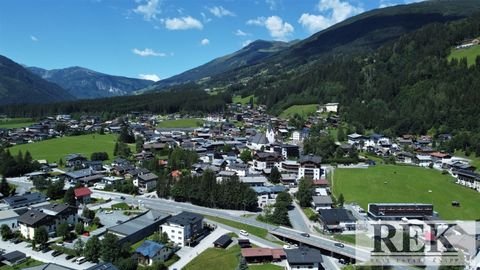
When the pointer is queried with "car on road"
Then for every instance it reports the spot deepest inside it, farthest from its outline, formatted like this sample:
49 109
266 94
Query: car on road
122 197
57 253
305 234
243 232
340 245
69 257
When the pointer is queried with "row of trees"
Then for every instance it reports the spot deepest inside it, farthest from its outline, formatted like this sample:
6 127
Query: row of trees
206 191
15 166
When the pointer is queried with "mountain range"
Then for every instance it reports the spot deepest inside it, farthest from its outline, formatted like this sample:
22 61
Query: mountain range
83 83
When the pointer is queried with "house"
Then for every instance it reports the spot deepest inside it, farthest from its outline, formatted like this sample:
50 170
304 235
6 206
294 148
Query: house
289 151
255 180
329 107
74 160
355 139
13 258
24 200
223 241
260 255
244 243
184 228
150 251
49 216
405 157
266 160
9 218
146 182
258 141
337 219
309 167
139 227
468 179
397 211
423 160
303 258
267 194
322 202
82 195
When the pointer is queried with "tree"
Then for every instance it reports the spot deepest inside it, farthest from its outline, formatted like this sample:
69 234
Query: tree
99 156
87 213
63 231
126 264
341 135
242 263
110 249
4 187
139 144
305 192
60 163
341 200
40 236
92 248
78 247
157 265
275 176
126 135
246 156
69 197
5 232
55 189
164 238
79 228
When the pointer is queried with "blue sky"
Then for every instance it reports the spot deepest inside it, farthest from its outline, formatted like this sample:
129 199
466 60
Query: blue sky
157 38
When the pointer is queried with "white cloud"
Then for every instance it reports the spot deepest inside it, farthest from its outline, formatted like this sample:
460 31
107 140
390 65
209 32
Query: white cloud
205 42
314 23
340 10
148 52
279 30
183 23
260 21
205 18
34 38
220 11
334 11
246 42
240 33
150 77
149 10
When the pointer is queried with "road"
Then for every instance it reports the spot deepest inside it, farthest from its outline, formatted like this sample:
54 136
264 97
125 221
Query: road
170 206
297 219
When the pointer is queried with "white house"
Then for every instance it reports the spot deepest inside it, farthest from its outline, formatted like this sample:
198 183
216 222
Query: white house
9 218
183 228
310 167
146 182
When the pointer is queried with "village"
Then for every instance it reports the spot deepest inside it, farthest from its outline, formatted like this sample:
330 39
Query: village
126 199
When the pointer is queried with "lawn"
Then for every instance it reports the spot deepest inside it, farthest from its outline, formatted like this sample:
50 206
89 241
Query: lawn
15 122
310 213
469 53
121 206
243 101
181 123
267 266
54 149
26 264
260 232
302 110
215 259
408 184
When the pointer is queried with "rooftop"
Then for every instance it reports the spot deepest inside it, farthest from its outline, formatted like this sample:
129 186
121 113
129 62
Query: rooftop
149 248
303 255
185 218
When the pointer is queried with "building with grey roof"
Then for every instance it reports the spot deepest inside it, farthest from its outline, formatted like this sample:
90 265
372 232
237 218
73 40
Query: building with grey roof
24 200
139 227
304 258
49 266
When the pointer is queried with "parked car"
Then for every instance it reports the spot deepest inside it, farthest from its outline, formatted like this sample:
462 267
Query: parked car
108 212
339 245
46 249
305 234
243 232
16 240
80 260
57 253
69 257
287 247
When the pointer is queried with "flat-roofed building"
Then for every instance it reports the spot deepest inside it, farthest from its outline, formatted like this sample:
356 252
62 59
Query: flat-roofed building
397 211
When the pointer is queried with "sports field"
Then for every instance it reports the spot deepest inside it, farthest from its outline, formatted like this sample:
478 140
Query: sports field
54 149
408 184
302 110
181 123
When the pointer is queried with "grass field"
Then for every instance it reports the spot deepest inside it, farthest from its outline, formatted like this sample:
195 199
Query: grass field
303 110
243 101
181 123
260 232
215 259
267 266
54 149
469 53
389 183
15 122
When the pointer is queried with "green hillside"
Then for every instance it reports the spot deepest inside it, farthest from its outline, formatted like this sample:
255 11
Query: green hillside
302 110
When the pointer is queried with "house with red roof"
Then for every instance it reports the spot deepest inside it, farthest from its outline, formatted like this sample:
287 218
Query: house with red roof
82 195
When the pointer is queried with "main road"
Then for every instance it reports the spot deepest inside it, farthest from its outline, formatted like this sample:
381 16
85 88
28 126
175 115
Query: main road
173 207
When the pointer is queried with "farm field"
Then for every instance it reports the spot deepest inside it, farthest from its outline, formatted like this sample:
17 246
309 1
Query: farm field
54 149
15 122
469 53
181 123
390 183
215 259
302 110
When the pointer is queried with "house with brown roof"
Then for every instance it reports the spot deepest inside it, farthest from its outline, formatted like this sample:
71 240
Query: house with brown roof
258 255
82 195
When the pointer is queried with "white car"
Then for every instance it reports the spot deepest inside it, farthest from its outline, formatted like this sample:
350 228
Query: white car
109 212
243 232
287 247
